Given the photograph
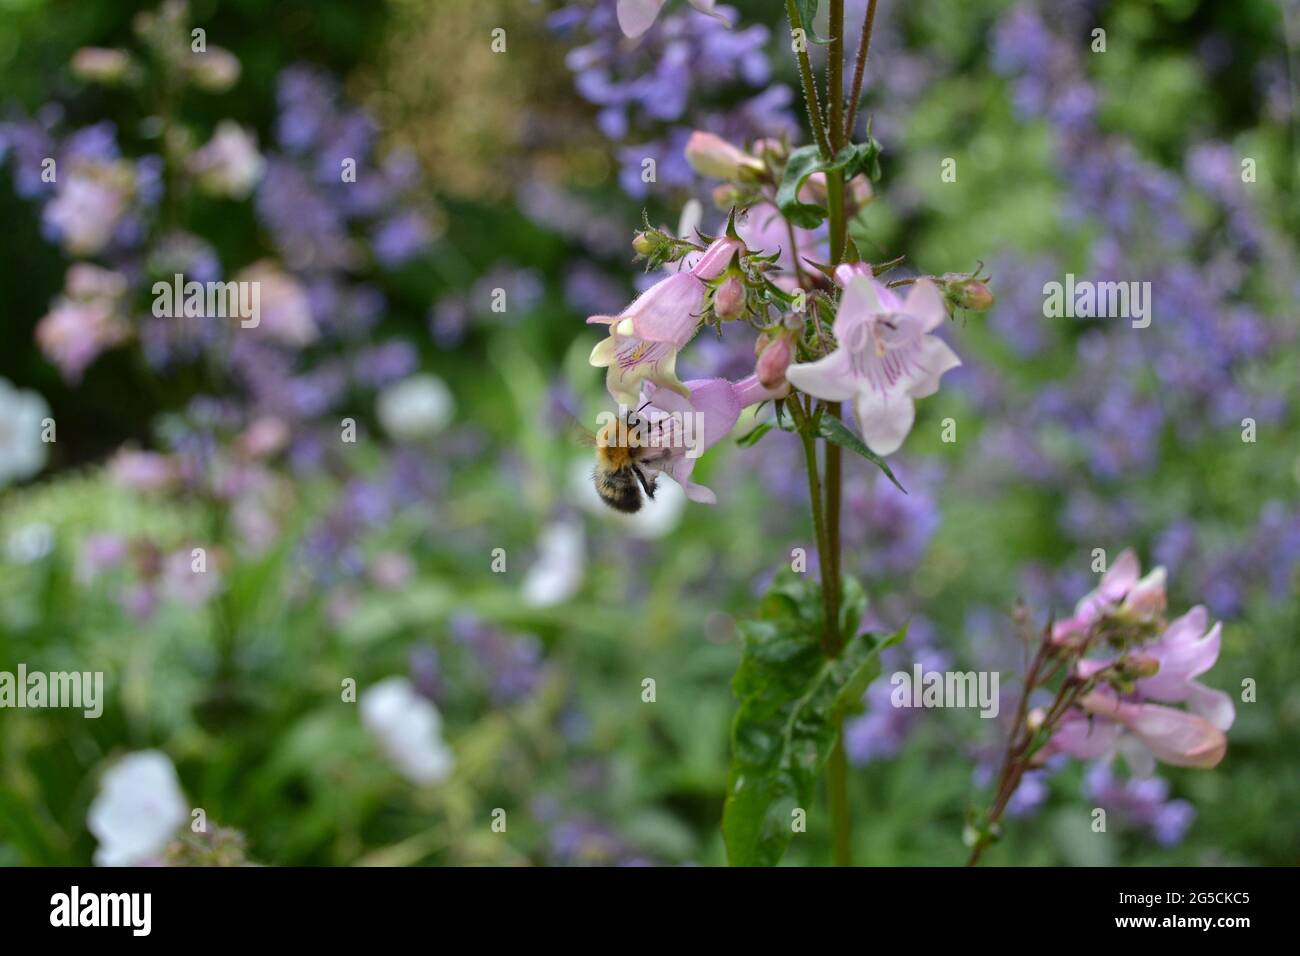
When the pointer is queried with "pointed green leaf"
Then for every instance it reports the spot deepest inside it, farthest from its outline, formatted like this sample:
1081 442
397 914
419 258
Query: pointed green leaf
834 430
752 437
790 696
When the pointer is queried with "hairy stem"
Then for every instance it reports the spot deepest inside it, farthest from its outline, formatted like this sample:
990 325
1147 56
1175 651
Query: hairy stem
855 93
819 527
806 77
833 641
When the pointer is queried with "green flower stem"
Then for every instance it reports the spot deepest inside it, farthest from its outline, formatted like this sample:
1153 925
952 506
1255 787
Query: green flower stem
855 93
809 85
833 641
819 527
837 785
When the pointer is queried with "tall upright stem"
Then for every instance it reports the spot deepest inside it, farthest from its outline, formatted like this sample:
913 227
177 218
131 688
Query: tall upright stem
806 78
837 766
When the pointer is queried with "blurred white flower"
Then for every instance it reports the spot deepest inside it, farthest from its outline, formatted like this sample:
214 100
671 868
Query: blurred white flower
557 573
229 163
408 728
22 452
416 407
215 69
29 543
139 808
657 517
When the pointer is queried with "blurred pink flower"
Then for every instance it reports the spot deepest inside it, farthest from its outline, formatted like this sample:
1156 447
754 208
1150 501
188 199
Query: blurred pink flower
635 17
73 334
143 470
1120 591
90 203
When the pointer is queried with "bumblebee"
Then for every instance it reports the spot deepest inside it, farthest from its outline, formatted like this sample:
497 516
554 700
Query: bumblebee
624 450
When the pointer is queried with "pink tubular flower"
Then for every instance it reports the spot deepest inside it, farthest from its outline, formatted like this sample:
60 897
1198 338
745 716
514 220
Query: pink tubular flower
1185 651
1171 736
1121 591
1104 720
644 339
688 426
885 358
773 362
635 17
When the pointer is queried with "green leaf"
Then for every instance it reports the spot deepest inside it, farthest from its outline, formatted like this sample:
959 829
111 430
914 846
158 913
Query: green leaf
784 420
806 160
807 14
834 430
751 438
803 162
790 698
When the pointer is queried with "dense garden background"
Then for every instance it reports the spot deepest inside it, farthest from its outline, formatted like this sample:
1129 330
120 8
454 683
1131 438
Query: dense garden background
437 304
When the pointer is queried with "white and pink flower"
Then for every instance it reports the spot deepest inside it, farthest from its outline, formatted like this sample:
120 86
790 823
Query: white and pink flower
885 358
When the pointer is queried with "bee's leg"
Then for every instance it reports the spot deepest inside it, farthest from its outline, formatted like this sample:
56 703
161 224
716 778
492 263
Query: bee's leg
646 485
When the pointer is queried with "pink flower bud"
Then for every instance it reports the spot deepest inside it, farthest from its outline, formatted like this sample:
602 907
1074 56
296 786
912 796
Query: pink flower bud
712 156
847 271
729 299
773 363
968 293
860 192
100 64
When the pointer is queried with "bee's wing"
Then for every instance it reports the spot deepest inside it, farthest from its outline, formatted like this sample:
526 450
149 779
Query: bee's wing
582 435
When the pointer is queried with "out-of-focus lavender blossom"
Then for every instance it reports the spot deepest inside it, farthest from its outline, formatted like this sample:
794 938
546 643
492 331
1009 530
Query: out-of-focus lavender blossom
652 93
880 732
511 665
502 295
1186 378
1142 802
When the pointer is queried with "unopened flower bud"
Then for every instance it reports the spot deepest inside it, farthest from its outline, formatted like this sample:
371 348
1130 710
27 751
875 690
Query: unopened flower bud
968 293
1034 719
770 147
846 272
1139 665
644 244
773 363
729 298
712 156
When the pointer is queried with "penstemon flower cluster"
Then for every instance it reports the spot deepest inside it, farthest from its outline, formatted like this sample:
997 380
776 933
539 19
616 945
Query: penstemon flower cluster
1106 676
829 328
833 329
